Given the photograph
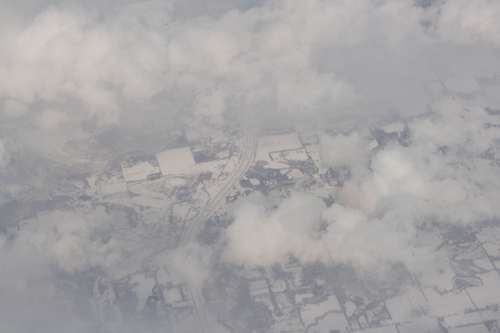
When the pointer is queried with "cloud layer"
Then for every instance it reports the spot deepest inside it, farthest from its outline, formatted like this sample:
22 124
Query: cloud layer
94 62
442 176
68 68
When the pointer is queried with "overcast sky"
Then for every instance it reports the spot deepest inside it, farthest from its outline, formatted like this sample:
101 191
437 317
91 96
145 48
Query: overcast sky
74 69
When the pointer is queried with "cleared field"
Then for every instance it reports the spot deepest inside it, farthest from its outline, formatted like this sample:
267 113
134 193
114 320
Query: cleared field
176 161
275 143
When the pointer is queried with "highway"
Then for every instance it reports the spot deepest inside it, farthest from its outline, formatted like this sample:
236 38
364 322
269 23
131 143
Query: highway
245 162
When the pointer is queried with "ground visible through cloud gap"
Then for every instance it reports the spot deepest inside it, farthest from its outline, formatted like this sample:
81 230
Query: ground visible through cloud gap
250 166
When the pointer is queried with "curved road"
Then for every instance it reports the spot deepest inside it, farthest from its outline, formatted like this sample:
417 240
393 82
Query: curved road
245 162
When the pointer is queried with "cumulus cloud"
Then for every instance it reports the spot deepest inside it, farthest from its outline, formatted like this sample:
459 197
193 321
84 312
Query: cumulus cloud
50 118
344 151
13 108
466 22
68 52
303 227
6 153
274 53
261 238
67 242
4 159
442 168
354 238
39 267
190 263
440 177
64 63
291 57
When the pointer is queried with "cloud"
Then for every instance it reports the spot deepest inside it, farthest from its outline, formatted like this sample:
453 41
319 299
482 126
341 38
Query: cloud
30 298
295 58
14 108
50 118
63 64
344 151
353 238
69 53
4 158
190 263
261 238
442 169
67 242
467 22
303 227
106 60
440 177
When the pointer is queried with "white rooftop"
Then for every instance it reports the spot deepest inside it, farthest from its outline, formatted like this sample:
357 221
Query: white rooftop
176 161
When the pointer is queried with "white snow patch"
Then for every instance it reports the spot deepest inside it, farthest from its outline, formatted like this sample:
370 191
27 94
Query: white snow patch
275 143
176 161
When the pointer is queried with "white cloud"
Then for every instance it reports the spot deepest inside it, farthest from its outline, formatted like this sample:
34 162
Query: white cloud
51 118
351 237
469 21
190 263
289 56
14 108
62 63
303 227
68 52
29 297
344 150
7 150
66 241
388 196
4 158
258 237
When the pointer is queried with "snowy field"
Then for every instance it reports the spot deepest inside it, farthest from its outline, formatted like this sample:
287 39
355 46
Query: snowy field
176 161
276 143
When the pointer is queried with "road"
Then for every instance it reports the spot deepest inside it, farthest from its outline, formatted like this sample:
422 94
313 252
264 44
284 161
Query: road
245 162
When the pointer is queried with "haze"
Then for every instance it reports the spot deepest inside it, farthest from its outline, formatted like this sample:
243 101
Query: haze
249 166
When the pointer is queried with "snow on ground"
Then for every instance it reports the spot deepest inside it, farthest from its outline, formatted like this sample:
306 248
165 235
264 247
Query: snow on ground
439 274
277 166
139 171
310 312
472 318
149 194
331 322
258 287
176 161
393 127
143 287
385 329
176 182
488 293
276 143
417 300
113 185
484 263
400 308
448 304
421 325
470 329
290 155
